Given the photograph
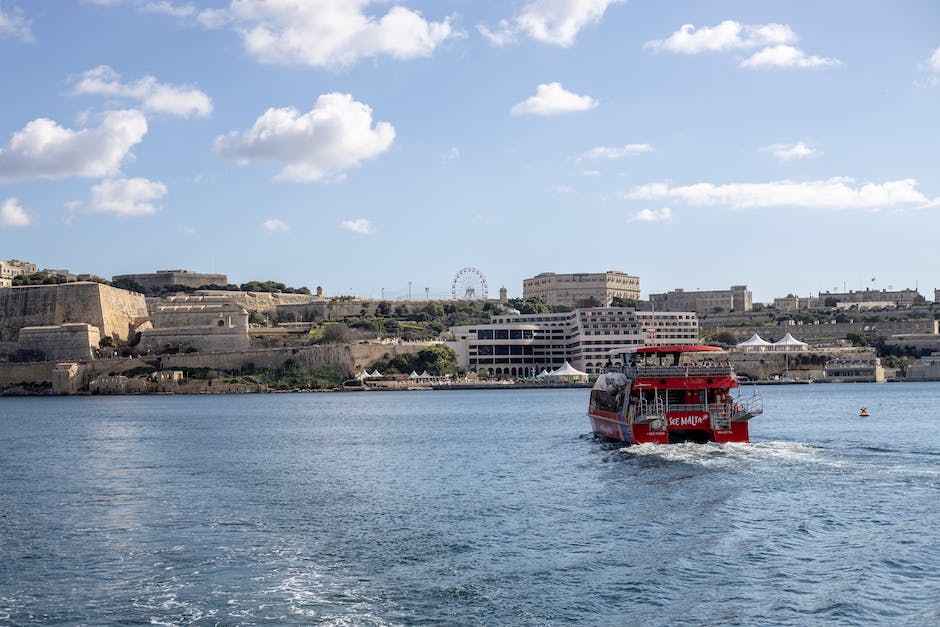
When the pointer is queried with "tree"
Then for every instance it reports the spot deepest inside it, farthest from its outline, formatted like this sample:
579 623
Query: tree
618 301
336 333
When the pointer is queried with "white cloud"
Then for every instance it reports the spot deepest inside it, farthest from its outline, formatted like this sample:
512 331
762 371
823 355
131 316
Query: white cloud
614 152
337 134
787 56
152 95
555 22
451 155
834 193
274 225
728 35
652 215
552 99
13 24
43 149
12 213
126 197
328 33
359 225
187 230
169 8
930 70
591 173
563 190
789 152
773 39
934 61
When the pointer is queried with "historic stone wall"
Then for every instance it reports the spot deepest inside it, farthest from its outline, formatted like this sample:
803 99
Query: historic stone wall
60 343
111 310
253 301
211 339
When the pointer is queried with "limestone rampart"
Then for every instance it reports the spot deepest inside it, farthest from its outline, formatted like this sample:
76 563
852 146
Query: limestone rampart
109 309
254 301
809 332
71 341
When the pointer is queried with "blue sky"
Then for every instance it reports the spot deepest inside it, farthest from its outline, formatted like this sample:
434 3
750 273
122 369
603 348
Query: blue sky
360 145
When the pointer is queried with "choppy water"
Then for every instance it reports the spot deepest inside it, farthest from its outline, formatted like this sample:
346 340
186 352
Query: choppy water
466 508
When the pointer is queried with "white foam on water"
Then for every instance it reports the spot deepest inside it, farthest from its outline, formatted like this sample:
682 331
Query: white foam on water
715 455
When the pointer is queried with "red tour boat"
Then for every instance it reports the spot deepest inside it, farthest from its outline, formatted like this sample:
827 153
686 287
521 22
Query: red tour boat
663 396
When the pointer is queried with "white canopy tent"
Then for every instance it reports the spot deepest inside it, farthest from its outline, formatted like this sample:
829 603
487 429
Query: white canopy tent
755 343
567 373
790 343
414 375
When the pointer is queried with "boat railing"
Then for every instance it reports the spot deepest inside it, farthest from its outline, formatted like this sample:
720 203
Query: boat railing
656 407
745 407
716 370
687 408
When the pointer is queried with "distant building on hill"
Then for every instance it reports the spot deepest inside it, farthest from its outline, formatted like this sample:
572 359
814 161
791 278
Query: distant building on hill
576 290
161 279
896 298
738 298
13 268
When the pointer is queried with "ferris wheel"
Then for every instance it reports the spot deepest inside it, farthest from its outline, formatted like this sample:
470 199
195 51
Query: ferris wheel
469 284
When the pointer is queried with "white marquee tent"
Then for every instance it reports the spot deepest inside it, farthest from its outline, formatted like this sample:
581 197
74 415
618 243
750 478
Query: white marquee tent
567 373
790 343
755 343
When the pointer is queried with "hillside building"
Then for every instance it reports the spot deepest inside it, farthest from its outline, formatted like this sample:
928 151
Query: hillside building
13 268
524 345
572 290
738 298
162 279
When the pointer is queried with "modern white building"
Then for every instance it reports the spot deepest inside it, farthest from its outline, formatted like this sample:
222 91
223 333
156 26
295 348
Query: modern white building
569 290
526 344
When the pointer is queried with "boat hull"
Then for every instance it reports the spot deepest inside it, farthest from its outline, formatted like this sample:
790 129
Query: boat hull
678 429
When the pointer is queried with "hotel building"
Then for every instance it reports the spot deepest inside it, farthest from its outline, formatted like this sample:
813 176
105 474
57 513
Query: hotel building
570 290
525 344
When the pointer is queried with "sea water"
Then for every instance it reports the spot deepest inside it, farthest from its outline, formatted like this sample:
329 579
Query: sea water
466 507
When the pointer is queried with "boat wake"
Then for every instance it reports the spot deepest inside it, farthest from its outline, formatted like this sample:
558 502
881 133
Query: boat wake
714 455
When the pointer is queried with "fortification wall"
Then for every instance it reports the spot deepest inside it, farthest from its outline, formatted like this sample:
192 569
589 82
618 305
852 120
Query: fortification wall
806 332
110 309
119 310
800 364
259 301
202 339
193 315
274 359
60 343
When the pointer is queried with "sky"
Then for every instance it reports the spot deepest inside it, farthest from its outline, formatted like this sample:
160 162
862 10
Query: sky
372 147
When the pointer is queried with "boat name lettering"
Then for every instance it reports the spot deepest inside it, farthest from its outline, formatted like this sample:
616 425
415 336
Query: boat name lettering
688 421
